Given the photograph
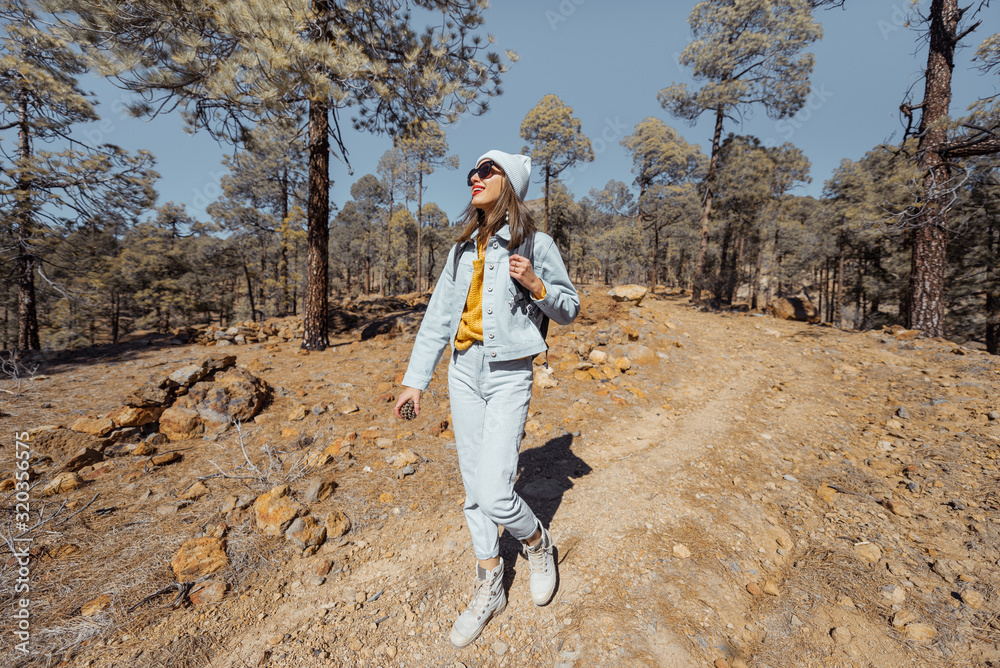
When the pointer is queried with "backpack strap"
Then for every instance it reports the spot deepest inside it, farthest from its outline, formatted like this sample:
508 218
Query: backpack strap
527 249
459 250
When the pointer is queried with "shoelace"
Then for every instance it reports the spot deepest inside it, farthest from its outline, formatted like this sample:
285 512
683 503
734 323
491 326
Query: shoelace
537 561
481 599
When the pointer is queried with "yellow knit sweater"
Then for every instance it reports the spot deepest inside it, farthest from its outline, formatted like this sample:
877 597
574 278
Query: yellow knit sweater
470 329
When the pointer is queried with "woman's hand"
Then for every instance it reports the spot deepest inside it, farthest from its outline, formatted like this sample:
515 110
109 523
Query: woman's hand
404 396
522 272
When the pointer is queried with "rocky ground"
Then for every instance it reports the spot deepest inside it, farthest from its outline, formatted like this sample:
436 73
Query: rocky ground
724 489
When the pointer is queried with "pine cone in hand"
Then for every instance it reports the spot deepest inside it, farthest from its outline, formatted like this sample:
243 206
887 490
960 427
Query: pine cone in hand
407 411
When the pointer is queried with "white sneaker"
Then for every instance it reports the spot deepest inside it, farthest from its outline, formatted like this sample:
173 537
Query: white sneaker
542 565
488 600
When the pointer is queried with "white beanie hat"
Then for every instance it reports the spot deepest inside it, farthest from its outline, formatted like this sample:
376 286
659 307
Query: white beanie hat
516 167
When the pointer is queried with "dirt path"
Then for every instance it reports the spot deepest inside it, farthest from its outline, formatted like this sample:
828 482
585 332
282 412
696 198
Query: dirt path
745 493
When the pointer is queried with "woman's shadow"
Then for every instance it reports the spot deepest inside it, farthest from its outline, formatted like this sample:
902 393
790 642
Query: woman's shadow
545 473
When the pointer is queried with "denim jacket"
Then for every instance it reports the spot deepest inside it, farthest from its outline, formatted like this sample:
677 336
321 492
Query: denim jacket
510 319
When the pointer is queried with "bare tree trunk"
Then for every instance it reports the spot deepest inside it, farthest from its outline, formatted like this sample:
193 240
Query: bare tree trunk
726 259
283 262
930 236
420 217
774 287
993 290
27 315
993 321
838 295
755 281
680 265
116 311
316 336
640 219
545 226
655 270
699 269
253 308
820 279
734 275
666 263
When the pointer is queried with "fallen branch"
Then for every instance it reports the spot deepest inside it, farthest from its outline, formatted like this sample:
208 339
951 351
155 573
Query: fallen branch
79 511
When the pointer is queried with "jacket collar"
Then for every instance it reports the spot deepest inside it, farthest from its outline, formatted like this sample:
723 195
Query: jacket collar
503 232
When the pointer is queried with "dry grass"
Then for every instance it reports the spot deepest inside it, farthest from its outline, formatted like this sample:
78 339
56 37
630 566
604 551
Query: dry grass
126 552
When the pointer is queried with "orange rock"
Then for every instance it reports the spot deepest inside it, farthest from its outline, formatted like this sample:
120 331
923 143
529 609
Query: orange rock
93 426
130 416
306 532
337 524
96 471
825 493
198 557
323 566
179 424
275 510
207 592
166 458
62 483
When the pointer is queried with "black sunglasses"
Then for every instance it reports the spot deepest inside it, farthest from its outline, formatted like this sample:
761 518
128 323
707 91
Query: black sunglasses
483 170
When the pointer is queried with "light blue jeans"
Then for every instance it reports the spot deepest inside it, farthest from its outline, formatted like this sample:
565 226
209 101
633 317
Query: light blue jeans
489 406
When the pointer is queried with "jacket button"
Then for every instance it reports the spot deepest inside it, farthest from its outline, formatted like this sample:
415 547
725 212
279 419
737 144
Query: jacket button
491 266
491 335
489 289
493 354
496 245
489 311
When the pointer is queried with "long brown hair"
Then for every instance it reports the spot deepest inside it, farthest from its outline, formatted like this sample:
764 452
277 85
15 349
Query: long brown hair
522 223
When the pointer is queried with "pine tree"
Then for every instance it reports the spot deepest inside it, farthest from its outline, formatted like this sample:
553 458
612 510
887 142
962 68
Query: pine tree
866 204
397 177
663 160
619 236
940 151
233 64
360 232
435 238
974 257
157 262
264 184
44 191
747 52
423 149
555 142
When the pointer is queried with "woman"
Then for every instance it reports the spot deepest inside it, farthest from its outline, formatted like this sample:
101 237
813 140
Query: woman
501 281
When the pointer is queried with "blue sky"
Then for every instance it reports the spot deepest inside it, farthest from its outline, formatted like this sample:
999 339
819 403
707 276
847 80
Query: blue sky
608 62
